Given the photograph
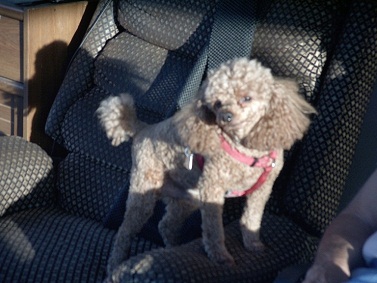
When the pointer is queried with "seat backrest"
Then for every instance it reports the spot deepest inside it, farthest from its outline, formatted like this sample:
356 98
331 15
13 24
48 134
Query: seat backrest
331 48
146 48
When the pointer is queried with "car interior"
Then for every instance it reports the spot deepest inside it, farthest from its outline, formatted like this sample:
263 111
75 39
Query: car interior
60 208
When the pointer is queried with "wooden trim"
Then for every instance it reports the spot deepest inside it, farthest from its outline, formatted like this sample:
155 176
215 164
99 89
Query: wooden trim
10 48
47 36
11 97
12 11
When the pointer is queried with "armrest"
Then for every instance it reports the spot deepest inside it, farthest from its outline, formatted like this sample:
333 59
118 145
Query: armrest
26 176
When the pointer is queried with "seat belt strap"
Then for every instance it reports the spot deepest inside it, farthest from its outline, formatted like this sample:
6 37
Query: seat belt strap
232 31
231 36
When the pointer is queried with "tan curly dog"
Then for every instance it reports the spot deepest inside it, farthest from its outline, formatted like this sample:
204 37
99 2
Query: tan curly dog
241 121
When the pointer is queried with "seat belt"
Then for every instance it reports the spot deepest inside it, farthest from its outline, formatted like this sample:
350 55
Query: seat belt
231 36
232 31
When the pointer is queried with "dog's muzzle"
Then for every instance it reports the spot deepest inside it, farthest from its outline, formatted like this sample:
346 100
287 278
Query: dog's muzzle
226 117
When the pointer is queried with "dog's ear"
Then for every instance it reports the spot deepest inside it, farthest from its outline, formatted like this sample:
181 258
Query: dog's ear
200 109
286 120
204 113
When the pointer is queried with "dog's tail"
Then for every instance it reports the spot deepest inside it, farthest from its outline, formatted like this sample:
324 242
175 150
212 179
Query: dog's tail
117 116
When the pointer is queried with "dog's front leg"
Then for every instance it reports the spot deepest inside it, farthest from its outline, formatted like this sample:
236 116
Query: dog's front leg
146 180
139 208
212 224
252 218
177 211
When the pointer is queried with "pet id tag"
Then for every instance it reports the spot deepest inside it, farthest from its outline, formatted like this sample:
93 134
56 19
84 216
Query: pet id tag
189 158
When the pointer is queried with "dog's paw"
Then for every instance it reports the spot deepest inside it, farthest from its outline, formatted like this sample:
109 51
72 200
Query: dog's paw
113 262
327 271
316 274
169 235
255 246
222 257
251 240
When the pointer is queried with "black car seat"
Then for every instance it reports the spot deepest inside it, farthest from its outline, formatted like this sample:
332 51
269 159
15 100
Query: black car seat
54 224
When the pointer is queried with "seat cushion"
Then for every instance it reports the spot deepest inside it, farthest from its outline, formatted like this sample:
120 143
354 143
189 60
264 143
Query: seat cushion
48 245
286 244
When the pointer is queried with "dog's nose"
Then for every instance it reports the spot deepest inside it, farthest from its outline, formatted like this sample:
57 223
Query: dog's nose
227 117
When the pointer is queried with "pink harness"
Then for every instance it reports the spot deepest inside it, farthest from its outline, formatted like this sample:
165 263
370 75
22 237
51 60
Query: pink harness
266 162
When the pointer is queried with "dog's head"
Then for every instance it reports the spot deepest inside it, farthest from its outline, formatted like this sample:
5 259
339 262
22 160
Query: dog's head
253 107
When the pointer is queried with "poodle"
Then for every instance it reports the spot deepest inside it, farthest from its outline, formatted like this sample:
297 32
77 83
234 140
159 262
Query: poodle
228 141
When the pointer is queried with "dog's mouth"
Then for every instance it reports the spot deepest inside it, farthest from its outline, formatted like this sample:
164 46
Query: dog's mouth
208 115
225 118
221 118
227 123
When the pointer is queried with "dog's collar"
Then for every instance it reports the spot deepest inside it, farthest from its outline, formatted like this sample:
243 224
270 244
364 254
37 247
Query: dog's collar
267 162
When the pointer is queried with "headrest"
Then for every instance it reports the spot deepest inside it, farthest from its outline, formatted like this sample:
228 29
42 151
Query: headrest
170 24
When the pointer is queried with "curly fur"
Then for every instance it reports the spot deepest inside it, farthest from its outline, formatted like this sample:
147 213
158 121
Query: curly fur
242 101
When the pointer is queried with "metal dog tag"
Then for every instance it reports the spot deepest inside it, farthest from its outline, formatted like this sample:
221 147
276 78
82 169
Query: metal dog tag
189 158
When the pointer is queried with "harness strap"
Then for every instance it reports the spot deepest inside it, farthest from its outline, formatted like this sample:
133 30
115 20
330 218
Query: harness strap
266 162
262 178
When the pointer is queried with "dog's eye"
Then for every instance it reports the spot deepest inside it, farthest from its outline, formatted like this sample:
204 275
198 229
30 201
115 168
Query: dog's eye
245 99
217 105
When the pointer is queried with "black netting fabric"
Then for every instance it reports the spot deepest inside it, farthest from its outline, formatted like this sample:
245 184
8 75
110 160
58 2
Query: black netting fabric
317 182
26 176
48 245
